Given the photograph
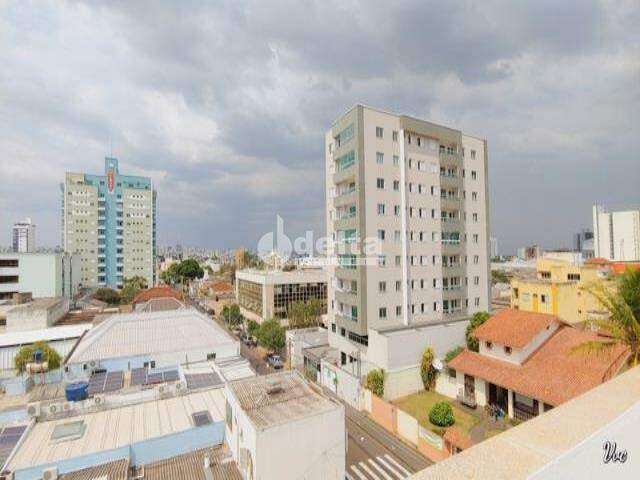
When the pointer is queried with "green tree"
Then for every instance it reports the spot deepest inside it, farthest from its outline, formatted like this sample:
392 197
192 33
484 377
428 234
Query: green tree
375 381
107 295
499 276
131 286
427 370
232 315
441 414
623 324
478 319
25 356
190 269
271 335
172 276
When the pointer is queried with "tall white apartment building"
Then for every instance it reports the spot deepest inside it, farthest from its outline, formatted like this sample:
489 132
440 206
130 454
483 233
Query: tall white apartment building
23 236
109 222
616 235
421 190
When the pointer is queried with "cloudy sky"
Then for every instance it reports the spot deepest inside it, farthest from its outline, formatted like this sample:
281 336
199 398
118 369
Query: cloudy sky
225 104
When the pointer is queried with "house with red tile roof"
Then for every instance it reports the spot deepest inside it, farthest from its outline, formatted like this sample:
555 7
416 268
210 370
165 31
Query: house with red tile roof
155 293
527 364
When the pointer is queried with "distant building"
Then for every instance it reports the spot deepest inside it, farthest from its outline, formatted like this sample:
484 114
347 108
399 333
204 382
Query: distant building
583 242
281 426
559 287
264 294
24 236
109 222
40 274
528 253
241 258
616 235
493 247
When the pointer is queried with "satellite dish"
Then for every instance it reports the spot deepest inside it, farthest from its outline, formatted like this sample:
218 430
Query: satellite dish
437 364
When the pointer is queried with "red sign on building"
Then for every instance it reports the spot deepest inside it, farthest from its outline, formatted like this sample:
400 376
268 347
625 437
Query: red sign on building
110 180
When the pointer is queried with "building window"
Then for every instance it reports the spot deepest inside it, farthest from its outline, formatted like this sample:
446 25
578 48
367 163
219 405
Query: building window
507 350
452 373
382 287
396 160
379 158
398 310
543 298
333 327
381 209
573 276
473 154
382 261
396 185
381 234
394 135
382 312
474 175
343 332
488 345
380 183
379 132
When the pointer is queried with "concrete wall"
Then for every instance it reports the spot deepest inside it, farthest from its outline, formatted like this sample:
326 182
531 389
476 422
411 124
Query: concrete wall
342 383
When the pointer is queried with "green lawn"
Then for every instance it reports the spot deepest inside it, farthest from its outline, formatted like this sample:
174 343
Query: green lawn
419 404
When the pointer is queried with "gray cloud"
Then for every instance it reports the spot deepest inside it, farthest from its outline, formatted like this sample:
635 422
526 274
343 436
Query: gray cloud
225 104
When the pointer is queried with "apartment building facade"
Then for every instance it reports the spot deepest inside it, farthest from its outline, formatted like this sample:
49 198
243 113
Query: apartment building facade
616 235
23 236
420 189
109 222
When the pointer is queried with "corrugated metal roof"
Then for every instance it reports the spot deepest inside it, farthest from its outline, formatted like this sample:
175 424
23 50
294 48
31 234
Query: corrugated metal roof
117 427
46 334
147 333
191 466
116 470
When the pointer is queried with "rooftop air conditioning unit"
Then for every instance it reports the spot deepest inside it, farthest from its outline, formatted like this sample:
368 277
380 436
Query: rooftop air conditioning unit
54 408
33 409
50 473
181 386
99 399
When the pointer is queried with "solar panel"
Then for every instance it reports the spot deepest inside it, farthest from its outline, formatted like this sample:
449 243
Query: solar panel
171 376
138 376
201 380
154 378
105 382
9 437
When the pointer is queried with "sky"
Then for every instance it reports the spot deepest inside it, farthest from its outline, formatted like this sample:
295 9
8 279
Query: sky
224 105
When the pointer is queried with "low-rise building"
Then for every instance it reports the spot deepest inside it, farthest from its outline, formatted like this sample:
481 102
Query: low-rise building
527 364
298 340
151 339
281 426
264 294
36 314
559 287
41 274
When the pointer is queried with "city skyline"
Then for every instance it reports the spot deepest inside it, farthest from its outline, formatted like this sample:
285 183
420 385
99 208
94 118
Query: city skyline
230 141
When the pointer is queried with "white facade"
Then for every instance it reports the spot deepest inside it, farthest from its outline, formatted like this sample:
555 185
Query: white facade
421 190
41 274
301 437
23 236
616 235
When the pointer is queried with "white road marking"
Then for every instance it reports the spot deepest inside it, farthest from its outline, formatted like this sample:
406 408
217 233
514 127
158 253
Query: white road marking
390 467
391 459
369 471
349 477
380 469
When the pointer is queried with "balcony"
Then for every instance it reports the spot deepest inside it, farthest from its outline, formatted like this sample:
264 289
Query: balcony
347 273
347 197
345 222
449 156
450 180
346 317
450 203
346 296
348 173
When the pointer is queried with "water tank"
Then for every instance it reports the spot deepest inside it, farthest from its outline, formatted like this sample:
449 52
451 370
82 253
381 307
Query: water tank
76 391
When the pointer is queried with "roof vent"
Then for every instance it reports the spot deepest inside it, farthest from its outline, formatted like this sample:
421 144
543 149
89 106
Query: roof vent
201 418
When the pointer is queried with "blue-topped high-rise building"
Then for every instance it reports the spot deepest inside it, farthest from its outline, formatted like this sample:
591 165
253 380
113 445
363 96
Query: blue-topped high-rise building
109 222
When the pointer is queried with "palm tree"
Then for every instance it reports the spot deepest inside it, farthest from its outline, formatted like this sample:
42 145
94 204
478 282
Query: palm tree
623 324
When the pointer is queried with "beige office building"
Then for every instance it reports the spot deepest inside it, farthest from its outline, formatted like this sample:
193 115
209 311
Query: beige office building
421 190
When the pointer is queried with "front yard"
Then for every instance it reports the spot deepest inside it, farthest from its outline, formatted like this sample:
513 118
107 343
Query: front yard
419 404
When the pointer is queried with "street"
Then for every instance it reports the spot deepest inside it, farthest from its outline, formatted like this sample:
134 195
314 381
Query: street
375 454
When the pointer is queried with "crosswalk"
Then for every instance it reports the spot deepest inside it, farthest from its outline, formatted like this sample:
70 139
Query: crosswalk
383 467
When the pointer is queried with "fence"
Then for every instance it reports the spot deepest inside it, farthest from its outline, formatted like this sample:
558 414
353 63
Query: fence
403 425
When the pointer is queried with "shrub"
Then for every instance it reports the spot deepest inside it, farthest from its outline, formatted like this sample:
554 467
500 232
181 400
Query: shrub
25 355
252 328
441 414
107 295
375 381
478 319
427 370
453 353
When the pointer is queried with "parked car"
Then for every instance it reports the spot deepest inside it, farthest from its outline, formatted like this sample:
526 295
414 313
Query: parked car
274 361
248 340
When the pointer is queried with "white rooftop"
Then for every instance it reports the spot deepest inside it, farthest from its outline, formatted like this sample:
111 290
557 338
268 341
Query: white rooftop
271 400
143 333
46 334
273 277
115 428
